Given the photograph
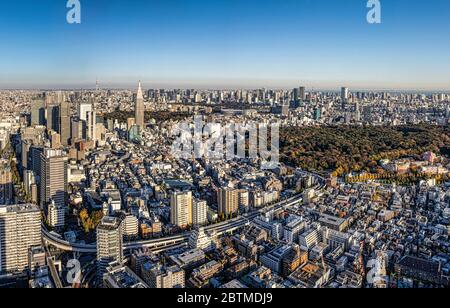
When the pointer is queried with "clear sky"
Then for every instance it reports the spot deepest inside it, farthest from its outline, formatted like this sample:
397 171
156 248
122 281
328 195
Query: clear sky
321 44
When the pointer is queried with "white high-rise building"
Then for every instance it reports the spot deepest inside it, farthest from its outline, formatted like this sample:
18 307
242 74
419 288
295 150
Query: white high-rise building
86 113
345 94
56 215
181 209
130 226
84 108
109 244
20 230
199 213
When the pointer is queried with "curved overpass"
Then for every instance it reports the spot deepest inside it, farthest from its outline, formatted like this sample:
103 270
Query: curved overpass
168 242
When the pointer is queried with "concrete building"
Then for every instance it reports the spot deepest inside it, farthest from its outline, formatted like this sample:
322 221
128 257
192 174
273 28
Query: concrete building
199 213
64 123
228 199
38 112
55 215
53 180
109 244
181 209
20 230
162 277
87 114
130 225
53 117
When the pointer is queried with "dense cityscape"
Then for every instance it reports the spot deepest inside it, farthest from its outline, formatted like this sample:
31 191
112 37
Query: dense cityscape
93 196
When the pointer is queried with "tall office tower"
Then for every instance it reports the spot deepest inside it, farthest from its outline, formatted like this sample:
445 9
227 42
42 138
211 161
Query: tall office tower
357 112
77 129
55 215
53 183
64 123
35 161
345 94
296 95
53 117
139 108
302 94
109 244
228 199
20 230
199 212
84 108
38 112
86 113
6 185
181 209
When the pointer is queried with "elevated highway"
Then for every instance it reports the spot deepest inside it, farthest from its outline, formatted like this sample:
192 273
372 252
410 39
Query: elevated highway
173 241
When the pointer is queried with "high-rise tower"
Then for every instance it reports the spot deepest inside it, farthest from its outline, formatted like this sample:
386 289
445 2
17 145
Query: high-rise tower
20 230
181 209
64 125
139 108
53 182
109 244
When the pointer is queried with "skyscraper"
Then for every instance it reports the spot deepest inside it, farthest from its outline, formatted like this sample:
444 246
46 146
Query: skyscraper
53 181
20 230
64 123
228 199
53 117
86 113
302 94
357 112
181 209
139 108
38 112
109 244
35 165
296 95
345 94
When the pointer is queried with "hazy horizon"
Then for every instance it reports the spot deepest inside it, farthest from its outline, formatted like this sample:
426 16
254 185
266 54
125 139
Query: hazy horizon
249 44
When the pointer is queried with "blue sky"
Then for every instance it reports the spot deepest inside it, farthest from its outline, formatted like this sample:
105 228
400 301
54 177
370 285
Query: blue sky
226 43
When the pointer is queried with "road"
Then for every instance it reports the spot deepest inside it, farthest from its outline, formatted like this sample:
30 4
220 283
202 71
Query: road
171 241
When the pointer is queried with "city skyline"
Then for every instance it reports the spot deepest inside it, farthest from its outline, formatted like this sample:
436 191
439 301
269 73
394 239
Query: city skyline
318 44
